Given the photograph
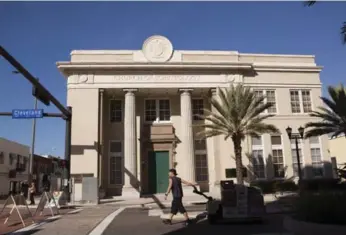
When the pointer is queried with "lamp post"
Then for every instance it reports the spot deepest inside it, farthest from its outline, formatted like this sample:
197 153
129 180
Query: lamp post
296 136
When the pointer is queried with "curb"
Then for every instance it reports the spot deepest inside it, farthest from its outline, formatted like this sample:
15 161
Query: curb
179 217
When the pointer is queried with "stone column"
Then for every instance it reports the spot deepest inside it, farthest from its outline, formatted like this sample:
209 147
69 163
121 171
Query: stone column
187 136
217 171
130 188
211 148
101 144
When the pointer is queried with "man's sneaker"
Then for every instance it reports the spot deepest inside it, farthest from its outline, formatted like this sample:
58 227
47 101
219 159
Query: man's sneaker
188 222
167 221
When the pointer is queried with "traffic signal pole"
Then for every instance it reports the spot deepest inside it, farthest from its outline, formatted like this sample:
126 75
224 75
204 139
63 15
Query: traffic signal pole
43 95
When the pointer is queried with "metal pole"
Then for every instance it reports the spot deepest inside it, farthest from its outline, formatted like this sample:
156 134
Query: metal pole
33 139
68 151
298 161
33 80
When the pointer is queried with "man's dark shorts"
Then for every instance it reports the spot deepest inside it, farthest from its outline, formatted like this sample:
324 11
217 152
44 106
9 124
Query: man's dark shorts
177 206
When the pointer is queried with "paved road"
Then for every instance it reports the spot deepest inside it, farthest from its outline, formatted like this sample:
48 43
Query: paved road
137 222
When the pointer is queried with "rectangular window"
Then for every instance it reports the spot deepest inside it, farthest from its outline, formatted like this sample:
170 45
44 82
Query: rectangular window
294 157
278 163
317 163
295 162
258 164
157 110
115 110
295 101
276 140
257 158
306 101
2 158
197 108
300 101
270 97
259 94
25 162
201 161
11 158
150 110
116 163
314 140
164 110
256 141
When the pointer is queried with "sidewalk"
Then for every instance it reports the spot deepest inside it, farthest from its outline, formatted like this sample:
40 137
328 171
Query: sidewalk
80 223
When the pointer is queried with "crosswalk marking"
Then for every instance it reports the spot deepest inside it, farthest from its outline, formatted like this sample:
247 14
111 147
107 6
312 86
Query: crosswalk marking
155 212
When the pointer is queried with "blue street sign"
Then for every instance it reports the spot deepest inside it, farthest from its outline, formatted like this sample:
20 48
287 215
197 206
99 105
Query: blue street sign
27 113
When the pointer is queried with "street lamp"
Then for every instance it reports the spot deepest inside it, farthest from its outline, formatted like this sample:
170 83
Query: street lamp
296 136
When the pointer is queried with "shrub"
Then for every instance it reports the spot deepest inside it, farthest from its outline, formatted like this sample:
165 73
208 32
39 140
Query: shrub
324 207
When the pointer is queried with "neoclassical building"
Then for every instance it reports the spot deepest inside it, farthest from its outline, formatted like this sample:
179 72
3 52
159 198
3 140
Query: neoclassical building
134 110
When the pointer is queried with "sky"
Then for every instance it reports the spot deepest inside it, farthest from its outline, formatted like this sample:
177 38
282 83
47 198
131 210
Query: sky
38 34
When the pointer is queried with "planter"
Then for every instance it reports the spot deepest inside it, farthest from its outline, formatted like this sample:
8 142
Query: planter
303 228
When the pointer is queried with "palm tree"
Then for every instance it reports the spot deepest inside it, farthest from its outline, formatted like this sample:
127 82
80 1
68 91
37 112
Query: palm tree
333 115
238 113
343 27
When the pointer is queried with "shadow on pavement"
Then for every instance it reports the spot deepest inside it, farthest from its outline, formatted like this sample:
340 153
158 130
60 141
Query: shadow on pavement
283 203
270 224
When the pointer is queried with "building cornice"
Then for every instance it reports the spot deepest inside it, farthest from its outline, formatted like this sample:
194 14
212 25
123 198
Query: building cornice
68 67
64 67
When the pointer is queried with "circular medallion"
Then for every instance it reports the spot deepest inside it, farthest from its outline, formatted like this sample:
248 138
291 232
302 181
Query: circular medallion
157 49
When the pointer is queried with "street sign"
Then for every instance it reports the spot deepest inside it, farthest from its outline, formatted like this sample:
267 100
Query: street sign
27 113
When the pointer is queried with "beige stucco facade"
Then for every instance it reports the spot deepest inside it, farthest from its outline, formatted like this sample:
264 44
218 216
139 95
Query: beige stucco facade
337 148
146 99
12 154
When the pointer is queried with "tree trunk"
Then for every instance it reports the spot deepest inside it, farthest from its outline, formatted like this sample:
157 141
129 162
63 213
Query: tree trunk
238 160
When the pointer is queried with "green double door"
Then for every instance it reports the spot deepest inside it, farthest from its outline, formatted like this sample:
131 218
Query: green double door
158 171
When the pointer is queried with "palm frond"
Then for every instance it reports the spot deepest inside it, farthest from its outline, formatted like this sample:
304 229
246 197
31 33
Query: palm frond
343 33
318 132
309 3
332 116
236 111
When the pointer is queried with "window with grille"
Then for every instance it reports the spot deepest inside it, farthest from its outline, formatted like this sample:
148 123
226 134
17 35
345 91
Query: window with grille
270 97
278 163
257 158
295 101
116 163
316 162
258 164
115 111
295 162
259 94
300 101
306 101
197 108
157 110
201 161
164 110
294 157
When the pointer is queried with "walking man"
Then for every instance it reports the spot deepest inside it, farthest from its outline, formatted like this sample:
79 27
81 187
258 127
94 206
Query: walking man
175 185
